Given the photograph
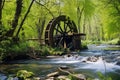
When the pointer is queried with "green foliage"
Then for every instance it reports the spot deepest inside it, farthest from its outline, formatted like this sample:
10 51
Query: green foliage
4 48
110 19
72 77
113 41
103 77
47 50
100 77
24 74
19 48
97 18
57 51
118 42
70 9
8 48
94 14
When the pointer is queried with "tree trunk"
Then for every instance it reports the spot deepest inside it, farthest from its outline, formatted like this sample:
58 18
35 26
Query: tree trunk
79 16
40 27
1 8
89 31
0 11
21 24
10 33
84 27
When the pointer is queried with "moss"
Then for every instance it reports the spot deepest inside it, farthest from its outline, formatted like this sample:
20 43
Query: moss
24 74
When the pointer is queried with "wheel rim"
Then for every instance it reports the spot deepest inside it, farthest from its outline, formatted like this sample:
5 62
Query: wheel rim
59 33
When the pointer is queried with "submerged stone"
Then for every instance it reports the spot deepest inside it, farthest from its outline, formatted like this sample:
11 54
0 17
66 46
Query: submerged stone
53 74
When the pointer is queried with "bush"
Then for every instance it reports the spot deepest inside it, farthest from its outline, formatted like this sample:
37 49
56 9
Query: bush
118 42
10 49
47 50
103 77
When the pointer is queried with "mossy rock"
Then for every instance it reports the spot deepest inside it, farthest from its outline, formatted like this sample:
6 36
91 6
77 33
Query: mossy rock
23 74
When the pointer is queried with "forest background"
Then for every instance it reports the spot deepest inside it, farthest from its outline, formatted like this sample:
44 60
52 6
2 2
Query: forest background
21 20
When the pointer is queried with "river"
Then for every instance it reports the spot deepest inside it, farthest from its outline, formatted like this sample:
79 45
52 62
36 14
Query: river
98 58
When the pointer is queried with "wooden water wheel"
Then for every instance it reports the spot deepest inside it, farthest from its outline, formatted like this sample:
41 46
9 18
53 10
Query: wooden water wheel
62 32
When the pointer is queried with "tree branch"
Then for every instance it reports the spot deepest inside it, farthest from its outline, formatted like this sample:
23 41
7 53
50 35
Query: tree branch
24 18
45 8
16 17
3 4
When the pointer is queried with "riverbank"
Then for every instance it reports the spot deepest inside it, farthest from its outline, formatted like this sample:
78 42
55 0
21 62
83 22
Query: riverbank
87 62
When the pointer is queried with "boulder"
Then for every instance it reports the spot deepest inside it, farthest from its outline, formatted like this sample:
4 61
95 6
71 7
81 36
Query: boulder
78 76
62 77
54 74
118 63
50 78
92 59
64 67
36 78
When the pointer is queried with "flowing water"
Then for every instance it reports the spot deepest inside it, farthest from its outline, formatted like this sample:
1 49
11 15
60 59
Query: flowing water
88 62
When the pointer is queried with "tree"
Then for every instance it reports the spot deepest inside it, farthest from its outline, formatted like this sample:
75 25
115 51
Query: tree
78 10
21 24
111 16
1 8
16 18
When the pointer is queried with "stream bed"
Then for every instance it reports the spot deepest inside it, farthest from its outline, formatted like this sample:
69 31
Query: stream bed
101 58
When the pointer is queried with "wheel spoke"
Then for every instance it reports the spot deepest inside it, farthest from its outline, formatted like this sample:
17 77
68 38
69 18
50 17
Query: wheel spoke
60 33
70 28
59 43
60 27
65 26
57 30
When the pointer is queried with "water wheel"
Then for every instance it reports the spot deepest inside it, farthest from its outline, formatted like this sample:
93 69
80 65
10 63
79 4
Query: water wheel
62 32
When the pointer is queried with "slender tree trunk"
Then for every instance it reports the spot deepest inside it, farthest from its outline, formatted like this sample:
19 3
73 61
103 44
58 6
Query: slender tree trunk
0 19
10 33
79 16
84 27
40 27
21 24
0 12
1 7
102 33
89 31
